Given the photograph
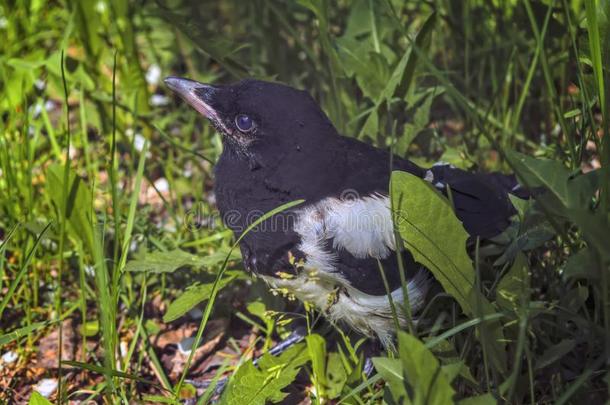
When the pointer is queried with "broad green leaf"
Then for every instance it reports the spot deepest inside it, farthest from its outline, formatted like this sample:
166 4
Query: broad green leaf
391 371
370 69
594 226
424 371
450 360
571 191
329 375
551 174
417 376
258 308
513 290
193 295
402 75
170 261
336 375
566 195
581 264
37 399
33 62
419 122
357 23
452 370
420 212
90 328
79 210
533 231
253 385
316 347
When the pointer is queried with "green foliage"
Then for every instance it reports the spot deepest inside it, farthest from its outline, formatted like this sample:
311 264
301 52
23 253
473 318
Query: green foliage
21 332
37 399
468 82
257 386
415 377
531 231
513 290
419 211
193 295
329 372
79 203
571 192
567 196
168 262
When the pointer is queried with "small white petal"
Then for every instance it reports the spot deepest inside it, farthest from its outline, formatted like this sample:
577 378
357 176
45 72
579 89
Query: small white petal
46 387
36 110
49 105
162 185
153 74
9 357
138 142
40 84
158 100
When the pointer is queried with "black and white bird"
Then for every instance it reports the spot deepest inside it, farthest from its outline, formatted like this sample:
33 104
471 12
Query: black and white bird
278 147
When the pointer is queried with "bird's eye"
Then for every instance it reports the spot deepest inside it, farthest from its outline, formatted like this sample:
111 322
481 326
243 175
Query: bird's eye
244 123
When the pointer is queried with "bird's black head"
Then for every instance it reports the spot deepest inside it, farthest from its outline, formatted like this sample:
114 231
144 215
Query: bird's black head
258 119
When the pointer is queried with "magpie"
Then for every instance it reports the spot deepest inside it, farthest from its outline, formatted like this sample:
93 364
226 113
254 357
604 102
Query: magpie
278 147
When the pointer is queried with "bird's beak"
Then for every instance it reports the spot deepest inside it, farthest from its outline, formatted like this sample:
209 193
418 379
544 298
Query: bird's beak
198 95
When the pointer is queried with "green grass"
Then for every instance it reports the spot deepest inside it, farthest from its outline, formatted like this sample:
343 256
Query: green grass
106 215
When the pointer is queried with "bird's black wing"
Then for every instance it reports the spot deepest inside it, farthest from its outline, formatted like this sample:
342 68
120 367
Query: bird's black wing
481 201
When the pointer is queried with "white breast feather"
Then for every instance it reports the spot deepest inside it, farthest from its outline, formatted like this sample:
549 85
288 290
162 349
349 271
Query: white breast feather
363 227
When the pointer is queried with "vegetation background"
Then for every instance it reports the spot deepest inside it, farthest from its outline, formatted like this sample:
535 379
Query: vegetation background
112 257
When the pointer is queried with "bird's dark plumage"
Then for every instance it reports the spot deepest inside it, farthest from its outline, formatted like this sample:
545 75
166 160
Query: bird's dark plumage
279 146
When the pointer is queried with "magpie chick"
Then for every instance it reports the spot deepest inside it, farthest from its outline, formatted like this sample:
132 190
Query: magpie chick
278 147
